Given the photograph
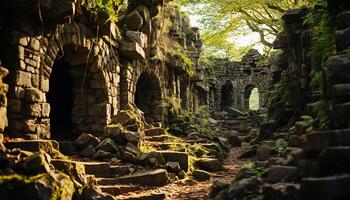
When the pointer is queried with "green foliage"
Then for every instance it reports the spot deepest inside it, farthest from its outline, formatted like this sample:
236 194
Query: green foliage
257 171
224 21
281 145
111 7
322 47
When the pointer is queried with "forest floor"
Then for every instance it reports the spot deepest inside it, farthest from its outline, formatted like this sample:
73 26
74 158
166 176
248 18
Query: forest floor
189 189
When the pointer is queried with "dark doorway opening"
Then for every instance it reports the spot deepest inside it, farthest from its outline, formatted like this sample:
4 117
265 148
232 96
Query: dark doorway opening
60 97
148 97
226 96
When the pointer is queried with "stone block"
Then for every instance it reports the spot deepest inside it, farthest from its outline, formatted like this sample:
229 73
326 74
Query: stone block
134 21
132 50
282 174
23 79
34 95
342 39
326 188
335 160
138 37
341 93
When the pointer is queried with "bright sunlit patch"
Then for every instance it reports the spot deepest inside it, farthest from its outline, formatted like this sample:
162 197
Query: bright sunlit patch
254 99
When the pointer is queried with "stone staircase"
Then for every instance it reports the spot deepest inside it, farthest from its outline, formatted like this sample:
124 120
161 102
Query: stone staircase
111 179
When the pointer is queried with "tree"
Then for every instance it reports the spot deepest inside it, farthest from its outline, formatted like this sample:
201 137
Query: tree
225 19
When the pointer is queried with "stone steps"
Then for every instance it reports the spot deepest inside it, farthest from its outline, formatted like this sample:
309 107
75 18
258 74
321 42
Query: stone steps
316 142
33 145
164 145
115 190
158 138
155 132
174 156
149 178
331 187
156 196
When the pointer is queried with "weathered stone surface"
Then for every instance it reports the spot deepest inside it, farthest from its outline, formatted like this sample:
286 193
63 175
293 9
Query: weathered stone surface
316 142
173 167
342 39
36 164
201 175
209 164
134 21
309 168
334 160
138 37
294 15
43 186
85 140
282 191
239 190
172 156
88 151
282 174
146 178
107 145
155 132
33 145
264 152
325 188
341 93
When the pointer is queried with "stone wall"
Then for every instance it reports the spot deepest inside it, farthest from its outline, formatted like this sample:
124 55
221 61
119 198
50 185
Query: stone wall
3 101
236 80
62 50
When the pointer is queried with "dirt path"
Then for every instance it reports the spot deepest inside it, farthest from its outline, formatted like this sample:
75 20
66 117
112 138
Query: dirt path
193 190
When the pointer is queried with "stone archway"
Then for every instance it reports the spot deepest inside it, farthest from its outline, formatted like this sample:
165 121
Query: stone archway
60 98
78 95
252 97
148 97
226 96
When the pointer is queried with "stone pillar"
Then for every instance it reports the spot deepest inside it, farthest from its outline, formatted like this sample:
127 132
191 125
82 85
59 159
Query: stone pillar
3 102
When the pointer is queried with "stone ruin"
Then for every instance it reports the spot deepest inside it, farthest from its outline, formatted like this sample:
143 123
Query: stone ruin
69 72
234 82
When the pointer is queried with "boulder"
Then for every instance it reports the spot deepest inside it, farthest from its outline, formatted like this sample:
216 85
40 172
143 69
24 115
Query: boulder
264 152
88 152
37 163
281 174
282 191
201 175
43 186
209 164
85 140
134 21
107 145
239 189
173 167
132 137
342 39
103 155
234 141
173 156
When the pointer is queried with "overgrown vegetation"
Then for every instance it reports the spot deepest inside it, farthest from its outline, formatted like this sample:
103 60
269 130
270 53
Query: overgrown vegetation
322 47
171 48
110 7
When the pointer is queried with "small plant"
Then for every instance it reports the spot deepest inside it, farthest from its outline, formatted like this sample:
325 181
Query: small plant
280 146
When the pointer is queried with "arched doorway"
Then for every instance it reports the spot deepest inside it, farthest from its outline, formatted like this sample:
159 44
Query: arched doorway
148 97
60 97
226 96
78 96
252 97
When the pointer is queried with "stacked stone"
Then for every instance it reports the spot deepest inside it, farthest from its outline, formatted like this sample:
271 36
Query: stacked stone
243 76
3 101
33 56
338 74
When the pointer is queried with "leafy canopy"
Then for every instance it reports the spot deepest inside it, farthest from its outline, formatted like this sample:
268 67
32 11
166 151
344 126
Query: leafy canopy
227 19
